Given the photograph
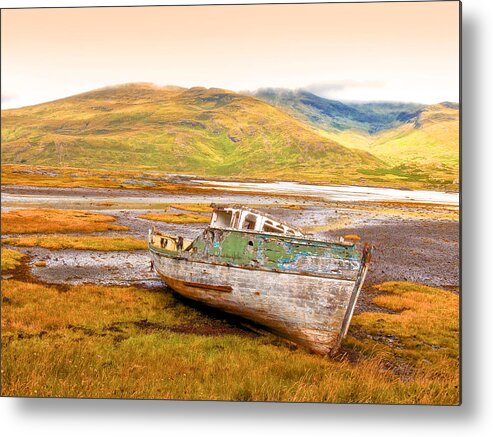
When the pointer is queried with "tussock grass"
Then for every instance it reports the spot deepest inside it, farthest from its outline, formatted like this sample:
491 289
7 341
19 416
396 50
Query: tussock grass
57 242
37 307
49 221
420 339
89 341
352 237
172 366
426 322
193 207
10 259
176 218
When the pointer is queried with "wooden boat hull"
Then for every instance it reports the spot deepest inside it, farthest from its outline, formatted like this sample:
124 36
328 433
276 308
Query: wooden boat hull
310 310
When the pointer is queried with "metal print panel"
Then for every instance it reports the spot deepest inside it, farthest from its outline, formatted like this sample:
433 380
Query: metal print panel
236 202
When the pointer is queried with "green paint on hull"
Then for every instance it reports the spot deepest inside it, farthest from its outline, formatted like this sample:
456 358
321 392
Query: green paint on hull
272 252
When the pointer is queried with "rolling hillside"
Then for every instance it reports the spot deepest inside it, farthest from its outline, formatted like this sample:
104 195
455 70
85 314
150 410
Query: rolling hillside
202 131
215 132
411 138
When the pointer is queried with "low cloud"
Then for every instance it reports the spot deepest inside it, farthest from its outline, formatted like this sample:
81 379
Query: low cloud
327 88
7 98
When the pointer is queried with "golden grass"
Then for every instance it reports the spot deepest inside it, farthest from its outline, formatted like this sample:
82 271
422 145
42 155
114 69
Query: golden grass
31 221
177 218
11 259
193 207
90 341
57 242
427 319
37 307
423 333
73 177
352 237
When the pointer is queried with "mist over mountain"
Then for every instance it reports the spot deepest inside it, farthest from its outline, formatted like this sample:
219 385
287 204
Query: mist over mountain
370 117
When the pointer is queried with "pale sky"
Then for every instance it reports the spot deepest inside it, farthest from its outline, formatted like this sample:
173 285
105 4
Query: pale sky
375 51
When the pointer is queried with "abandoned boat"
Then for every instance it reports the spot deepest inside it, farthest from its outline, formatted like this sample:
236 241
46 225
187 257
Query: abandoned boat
252 265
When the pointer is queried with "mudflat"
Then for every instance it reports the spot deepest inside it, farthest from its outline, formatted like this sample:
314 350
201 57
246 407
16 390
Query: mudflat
413 241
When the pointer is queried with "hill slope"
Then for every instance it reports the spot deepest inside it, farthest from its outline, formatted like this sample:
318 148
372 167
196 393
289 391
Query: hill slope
202 131
429 144
333 115
414 139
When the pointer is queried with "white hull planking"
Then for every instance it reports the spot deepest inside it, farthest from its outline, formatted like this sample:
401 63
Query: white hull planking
308 310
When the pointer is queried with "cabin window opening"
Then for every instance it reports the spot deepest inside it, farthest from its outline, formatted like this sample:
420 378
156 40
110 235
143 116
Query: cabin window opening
222 219
249 222
272 228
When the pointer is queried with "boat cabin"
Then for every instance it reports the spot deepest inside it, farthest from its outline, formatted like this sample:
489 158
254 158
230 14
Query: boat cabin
248 219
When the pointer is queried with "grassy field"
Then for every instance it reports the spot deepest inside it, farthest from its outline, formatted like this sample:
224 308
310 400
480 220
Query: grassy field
197 131
57 242
177 218
10 259
72 177
193 207
96 341
32 221
415 176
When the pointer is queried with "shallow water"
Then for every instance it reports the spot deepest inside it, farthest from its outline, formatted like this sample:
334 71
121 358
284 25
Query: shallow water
232 193
343 193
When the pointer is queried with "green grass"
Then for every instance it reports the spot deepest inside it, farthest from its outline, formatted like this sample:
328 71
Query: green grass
424 152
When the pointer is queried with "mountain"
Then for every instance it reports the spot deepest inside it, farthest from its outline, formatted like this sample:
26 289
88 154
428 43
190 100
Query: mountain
432 137
211 132
413 139
333 115
274 134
